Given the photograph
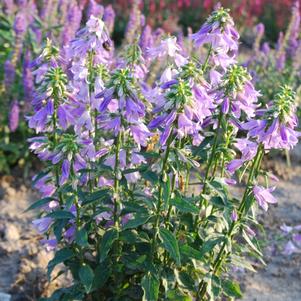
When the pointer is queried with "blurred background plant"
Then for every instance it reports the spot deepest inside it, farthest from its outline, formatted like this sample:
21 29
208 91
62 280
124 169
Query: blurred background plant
26 24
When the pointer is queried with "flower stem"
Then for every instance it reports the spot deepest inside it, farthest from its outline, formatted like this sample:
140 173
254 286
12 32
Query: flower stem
116 180
220 257
160 194
211 159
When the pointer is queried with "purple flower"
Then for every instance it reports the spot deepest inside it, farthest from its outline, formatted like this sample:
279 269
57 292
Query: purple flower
14 116
280 62
234 165
69 234
95 9
263 196
140 134
109 18
72 23
168 48
20 24
290 248
65 171
260 29
275 135
146 39
219 31
293 30
28 81
234 215
42 224
9 74
49 244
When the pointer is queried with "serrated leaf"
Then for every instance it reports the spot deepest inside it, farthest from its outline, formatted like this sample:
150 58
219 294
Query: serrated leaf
106 243
184 205
102 274
250 243
209 245
150 286
231 288
40 203
175 295
95 196
81 237
59 257
150 176
86 276
136 222
60 214
190 252
170 244
242 263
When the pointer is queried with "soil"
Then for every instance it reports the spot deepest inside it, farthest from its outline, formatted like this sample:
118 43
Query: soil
23 260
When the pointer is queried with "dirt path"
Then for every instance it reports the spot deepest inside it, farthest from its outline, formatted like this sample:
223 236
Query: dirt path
22 259
280 279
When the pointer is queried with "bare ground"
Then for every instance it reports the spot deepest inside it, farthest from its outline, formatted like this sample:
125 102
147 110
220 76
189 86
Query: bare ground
23 260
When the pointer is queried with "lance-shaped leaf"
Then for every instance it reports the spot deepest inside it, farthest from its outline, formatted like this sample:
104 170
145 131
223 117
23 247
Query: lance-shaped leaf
170 244
60 257
150 286
86 276
184 205
106 243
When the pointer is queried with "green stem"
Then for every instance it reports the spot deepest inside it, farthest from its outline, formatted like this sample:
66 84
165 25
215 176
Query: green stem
55 141
212 156
160 194
116 180
205 65
220 257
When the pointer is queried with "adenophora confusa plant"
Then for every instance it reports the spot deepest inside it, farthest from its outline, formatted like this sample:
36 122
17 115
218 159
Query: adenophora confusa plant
137 199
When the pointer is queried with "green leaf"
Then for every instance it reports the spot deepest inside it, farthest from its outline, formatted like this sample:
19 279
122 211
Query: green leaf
184 205
40 176
136 222
86 276
231 288
96 196
81 237
166 192
170 244
106 243
61 214
59 257
209 245
150 176
175 295
39 203
250 243
190 252
242 263
102 274
150 286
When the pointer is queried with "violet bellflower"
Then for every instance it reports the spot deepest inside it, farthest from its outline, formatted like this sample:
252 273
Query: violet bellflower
239 93
109 18
248 151
168 49
120 101
14 116
220 33
264 197
184 106
276 129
